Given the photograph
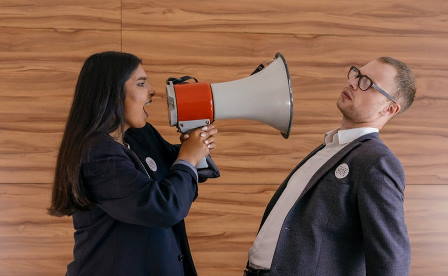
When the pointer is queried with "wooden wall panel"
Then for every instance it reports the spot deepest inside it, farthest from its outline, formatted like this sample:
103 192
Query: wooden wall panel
44 43
32 243
222 225
426 216
322 17
38 69
61 14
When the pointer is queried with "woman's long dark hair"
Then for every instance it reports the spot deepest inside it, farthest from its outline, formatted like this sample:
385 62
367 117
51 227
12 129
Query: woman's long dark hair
98 107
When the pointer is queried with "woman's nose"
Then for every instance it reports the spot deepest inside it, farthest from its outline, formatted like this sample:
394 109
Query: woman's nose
151 92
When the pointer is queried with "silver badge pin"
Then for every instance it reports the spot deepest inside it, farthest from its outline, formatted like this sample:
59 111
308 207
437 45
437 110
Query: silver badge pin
151 164
341 171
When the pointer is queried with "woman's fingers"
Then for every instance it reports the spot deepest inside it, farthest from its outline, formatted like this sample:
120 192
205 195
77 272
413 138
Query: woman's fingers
205 133
212 131
209 140
183 137
211 146
208 131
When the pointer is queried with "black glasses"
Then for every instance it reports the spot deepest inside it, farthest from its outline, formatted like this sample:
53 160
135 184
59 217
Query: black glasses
364 82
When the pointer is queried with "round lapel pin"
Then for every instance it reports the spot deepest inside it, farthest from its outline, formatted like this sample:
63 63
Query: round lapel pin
341 171
151 164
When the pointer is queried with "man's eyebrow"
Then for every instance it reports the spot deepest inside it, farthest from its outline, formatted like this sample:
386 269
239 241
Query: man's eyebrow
366 75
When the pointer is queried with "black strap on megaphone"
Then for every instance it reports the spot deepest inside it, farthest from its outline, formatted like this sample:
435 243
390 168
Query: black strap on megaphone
181 80
184 79
258 69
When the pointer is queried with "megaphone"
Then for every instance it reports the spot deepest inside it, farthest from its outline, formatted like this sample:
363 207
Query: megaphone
265 96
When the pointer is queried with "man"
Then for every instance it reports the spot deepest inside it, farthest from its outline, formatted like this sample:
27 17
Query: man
340 211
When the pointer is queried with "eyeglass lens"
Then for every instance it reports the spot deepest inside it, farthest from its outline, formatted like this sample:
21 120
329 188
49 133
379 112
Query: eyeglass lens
364 83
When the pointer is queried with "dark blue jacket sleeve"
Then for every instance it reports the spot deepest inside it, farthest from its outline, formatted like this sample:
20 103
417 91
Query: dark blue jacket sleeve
212 171
129 195
380 201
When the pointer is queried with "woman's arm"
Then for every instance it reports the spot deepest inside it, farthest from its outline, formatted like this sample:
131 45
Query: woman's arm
127 194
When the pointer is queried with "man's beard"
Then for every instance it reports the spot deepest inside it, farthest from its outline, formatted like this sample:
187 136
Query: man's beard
345 114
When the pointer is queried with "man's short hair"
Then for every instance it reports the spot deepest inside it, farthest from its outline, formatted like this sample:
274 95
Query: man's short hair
405 81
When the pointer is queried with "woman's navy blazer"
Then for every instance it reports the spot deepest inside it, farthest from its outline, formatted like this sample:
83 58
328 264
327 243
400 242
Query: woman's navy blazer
136 225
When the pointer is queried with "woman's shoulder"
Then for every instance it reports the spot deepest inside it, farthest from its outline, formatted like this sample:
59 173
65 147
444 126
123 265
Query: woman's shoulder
102 146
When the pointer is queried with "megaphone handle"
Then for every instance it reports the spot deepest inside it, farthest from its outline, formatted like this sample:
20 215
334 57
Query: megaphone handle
186 126
202 164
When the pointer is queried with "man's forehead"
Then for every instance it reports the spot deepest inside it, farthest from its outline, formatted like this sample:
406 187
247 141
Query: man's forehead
379 71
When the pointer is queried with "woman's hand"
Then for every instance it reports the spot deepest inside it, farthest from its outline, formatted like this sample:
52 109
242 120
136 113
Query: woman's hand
197 144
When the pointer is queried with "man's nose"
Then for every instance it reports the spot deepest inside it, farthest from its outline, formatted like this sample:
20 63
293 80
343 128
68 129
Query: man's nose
353 83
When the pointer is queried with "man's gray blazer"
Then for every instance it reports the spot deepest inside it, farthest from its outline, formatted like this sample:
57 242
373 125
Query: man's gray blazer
346 226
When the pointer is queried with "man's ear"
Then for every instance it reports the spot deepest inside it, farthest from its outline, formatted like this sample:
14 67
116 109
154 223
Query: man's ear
393 109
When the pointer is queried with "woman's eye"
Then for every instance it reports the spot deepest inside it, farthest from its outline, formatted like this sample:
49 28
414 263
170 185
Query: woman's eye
141 84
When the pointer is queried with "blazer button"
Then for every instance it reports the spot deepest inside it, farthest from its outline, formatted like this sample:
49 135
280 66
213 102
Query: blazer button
180 258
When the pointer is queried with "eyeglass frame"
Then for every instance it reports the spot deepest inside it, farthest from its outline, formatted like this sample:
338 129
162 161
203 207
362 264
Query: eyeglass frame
372 84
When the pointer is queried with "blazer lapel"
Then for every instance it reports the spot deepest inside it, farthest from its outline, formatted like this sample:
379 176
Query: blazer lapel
327 166
334 160
282 187
137 161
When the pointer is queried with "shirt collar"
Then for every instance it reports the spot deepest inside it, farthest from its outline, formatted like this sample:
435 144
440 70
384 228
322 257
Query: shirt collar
345 136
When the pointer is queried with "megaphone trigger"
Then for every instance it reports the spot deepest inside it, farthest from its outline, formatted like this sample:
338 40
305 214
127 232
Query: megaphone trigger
186 126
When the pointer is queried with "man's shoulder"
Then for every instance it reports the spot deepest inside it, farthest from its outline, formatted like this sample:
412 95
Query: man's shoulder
373 152
373 145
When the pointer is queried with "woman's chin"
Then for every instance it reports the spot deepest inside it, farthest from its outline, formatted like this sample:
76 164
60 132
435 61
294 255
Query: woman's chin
142 124
138 124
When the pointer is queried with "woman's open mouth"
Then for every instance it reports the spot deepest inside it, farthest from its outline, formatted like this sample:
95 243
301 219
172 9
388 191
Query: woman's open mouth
146 105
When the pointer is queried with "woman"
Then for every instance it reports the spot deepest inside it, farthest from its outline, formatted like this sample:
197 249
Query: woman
128 218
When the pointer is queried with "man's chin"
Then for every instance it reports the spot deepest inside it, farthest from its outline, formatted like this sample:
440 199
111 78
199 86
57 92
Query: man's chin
339 105
343 111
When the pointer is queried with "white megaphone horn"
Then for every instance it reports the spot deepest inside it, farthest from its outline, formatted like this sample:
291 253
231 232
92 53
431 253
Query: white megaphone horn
265 96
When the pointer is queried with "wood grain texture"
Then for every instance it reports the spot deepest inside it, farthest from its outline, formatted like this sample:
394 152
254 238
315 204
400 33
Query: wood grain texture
32 242
38 69
322 17
222 225
44 43
61 14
